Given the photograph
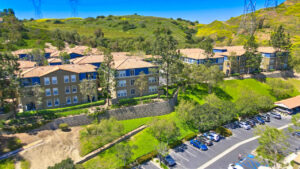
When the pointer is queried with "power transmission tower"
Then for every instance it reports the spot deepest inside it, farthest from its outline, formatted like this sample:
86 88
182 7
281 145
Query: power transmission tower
248 22
74 4
37 7
271 3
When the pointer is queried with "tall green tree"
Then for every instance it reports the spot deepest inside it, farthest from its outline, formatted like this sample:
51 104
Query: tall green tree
65 57
280 40
38 92
272 144
164 130
88 89
162 150
106 74
165 45
280 89
295 58
9 79
38 56
251 58
207 46
141 83
213 76
125 152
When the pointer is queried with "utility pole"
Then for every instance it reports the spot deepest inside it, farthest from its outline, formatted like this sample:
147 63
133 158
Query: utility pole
248 22
74 4
271 3
37 4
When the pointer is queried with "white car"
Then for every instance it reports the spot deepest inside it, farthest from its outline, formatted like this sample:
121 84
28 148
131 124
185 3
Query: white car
233 166
245 126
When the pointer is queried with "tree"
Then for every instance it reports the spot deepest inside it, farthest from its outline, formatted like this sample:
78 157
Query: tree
281 42
38 93
234 63
295 58
9 79
65 164
272 144
99 33
88 89
251 58
280 89
65 57
207 46
296 123
141 83
162 150
38 56
165 45
124 152
213 76
106 74
164 130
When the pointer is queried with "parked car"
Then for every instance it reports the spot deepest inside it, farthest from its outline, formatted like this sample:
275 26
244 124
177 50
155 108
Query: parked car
275 115
283 111
296 134
169 161
245 126
198 144
266 118
251 123
205 140
259 120
233 166
213 136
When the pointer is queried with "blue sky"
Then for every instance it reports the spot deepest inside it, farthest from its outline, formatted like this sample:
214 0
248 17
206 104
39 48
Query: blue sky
205 11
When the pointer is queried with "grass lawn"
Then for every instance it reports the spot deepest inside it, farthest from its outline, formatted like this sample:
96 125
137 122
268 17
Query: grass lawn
295 82
143 140
7 164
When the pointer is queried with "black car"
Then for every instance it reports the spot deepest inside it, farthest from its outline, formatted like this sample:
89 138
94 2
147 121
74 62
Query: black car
169 161
205 140
266 118
275 115
251 123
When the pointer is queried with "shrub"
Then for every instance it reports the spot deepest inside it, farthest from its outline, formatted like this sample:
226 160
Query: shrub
66 164
175 144
147 157
190 136
25 164
223 131
64 126
235 74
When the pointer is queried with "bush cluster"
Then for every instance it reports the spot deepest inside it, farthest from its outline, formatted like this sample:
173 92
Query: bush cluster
146 157
223 131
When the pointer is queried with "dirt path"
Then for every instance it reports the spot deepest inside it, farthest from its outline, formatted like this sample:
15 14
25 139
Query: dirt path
57 146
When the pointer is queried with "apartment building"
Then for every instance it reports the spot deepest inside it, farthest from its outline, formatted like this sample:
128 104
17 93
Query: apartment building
198 56
128 71
60 84
271 60
24 53
54 61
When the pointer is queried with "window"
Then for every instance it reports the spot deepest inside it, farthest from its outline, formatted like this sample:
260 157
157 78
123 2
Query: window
48 92
55 91
66 79
73 78
152 79
132 91
122 93
132 72
74 89
122 73
132 82
67 89
121 83
49 103
56 102
68 99
152 89
54 80
75 99
47 80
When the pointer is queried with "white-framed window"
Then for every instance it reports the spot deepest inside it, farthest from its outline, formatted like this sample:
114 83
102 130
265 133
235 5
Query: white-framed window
122 93
68 100
48 92
121 83
132 91
73 78
122 73
56 102
55 91
49 103
74 89
132 72
132 82
152 79
75 99
54 80
67 89
47 80
152 89
66 79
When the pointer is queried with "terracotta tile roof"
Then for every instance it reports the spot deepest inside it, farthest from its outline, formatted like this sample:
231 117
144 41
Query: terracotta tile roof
82 50
131 63
26 64
88 59
21 51
54 60
297 159
1 19
290 103
237 50
44 70
197 53
266 50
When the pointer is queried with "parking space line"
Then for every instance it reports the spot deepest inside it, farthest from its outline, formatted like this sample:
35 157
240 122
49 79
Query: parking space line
177 154
190 153
180 164
194 148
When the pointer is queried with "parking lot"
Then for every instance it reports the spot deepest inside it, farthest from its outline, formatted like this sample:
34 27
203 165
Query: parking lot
190 157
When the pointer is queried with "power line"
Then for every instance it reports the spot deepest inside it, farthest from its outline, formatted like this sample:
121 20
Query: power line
74 5
271 3
38 8
248 22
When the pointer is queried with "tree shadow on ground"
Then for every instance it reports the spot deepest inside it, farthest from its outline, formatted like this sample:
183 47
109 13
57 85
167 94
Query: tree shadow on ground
9 143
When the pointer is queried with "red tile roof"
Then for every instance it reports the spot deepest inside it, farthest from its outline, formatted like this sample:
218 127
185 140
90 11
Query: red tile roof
290 103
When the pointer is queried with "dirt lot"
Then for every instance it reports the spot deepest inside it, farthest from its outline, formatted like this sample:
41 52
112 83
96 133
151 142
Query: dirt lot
56 146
